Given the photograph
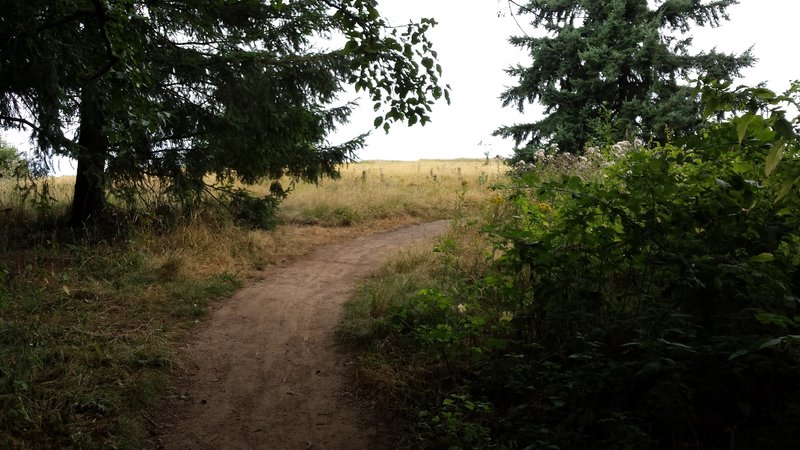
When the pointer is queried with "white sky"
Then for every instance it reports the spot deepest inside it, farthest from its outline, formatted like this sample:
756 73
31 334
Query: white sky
471 40
472 43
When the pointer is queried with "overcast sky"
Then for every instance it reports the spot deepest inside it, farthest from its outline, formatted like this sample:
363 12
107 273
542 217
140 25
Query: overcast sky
471 39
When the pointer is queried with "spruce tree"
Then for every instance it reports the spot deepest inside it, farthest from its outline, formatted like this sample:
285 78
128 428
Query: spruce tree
242 90
613 70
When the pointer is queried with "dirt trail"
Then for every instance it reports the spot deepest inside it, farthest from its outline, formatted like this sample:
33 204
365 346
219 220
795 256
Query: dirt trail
265 373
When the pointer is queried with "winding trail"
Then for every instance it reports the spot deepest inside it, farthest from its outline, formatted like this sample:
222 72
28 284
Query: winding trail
266 373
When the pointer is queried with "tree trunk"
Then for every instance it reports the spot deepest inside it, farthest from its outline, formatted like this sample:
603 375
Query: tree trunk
88 201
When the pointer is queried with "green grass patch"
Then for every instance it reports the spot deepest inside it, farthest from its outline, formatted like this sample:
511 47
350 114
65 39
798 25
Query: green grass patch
86 335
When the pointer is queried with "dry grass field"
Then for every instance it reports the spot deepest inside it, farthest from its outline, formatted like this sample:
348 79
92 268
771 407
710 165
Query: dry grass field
375 190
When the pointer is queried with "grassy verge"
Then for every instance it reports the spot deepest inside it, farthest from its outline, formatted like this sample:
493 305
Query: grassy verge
414 339
88 323
651 305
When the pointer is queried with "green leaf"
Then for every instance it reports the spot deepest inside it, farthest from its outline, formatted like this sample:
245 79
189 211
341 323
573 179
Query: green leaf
741 126
737 354
574 183
774 157
771 343
763 257
351 45
767 318
378 121
786 187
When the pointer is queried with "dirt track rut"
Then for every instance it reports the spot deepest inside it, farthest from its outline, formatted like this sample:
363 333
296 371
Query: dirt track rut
265 372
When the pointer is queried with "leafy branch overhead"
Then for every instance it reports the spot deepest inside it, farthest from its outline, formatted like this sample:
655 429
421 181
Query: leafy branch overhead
180 90
397 67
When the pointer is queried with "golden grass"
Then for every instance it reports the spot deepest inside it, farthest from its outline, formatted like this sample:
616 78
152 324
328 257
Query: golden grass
371 190
368 197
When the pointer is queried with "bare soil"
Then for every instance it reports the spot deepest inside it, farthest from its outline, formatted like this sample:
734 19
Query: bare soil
265 372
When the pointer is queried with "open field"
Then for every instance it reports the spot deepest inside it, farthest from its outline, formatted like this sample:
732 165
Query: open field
88 323
369 190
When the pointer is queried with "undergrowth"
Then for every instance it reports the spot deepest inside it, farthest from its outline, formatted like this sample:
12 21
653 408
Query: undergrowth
651 305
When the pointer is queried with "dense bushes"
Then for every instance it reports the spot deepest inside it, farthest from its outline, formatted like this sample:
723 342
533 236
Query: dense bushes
656 308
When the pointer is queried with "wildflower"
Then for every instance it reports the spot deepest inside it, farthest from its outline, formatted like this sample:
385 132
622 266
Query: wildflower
594 153
462 308
506 316
545 207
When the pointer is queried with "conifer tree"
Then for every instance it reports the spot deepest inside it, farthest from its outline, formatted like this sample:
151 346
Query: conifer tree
613 69
245 90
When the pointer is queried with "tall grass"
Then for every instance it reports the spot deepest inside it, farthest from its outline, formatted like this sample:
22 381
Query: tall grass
370 190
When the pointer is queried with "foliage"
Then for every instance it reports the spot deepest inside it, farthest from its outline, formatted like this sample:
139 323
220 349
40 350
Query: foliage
610 71
9 159
244 91
653 307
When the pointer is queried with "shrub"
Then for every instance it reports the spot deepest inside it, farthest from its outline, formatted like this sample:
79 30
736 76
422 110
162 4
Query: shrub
653 306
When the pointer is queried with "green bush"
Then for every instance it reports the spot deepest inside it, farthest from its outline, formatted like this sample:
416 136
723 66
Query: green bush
655 308
9 159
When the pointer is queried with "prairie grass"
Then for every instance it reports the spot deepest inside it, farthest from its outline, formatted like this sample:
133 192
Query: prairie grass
370 190
89 323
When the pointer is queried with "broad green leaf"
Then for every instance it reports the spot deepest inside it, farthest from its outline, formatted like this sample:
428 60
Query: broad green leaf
786 187
574 183
741 127
763 257
737 354
771 343
768 318
774 157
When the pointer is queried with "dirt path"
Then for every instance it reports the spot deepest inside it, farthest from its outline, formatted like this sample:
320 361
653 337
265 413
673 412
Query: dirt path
265 372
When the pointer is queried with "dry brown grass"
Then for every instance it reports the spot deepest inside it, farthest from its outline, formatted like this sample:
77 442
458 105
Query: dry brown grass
374 190
369 197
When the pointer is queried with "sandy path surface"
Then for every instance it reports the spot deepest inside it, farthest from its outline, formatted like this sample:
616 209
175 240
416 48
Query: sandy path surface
265 372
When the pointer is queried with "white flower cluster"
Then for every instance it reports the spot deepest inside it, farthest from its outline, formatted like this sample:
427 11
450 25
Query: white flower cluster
593 157
622 148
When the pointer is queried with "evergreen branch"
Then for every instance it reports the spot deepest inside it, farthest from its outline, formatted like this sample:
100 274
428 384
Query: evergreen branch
63 21
58 138
540 17
514 16
22 121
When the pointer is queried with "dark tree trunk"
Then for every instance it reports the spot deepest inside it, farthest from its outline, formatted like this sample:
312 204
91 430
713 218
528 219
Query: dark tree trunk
89 200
